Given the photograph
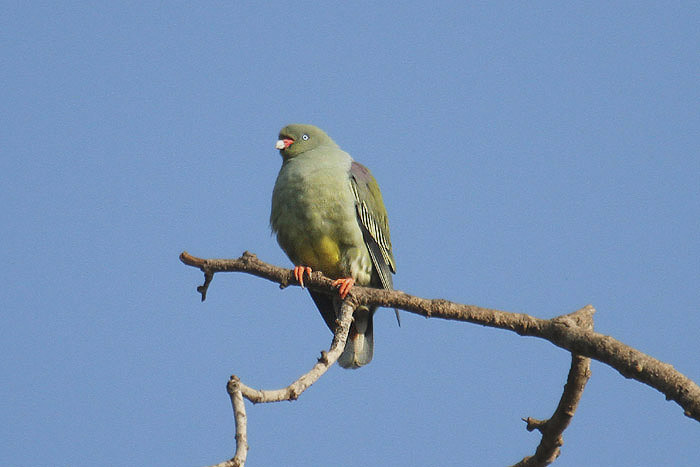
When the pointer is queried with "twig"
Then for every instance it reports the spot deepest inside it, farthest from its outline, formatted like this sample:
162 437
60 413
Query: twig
237 390
234 390
239 414
327 359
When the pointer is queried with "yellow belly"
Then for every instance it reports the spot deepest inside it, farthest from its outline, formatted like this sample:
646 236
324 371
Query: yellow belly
321 254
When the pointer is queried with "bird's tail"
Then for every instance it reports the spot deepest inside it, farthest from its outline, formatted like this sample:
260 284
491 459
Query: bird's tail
360 344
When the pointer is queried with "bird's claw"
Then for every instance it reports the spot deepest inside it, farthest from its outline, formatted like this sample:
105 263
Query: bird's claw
344 285
299 272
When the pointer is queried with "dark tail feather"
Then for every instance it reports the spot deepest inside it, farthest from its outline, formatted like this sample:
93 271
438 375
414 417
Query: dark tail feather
360 345
325 305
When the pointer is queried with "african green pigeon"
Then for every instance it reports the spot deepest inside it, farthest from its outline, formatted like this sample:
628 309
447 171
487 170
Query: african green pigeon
328 214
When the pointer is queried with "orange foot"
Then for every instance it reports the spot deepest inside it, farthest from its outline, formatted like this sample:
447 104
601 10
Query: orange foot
344 285
299 274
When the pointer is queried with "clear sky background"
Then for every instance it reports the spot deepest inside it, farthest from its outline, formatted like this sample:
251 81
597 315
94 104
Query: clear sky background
534 157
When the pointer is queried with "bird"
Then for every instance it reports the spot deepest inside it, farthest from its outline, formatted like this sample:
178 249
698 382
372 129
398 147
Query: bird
328 215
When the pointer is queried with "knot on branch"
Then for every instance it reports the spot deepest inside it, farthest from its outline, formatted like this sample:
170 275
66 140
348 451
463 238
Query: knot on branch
535 424
247 256
233 385
323 358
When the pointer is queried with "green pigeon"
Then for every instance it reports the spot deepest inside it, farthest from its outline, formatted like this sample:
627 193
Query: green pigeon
329 216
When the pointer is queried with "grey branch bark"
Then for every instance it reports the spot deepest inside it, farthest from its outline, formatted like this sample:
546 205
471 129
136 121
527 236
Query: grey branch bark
572 332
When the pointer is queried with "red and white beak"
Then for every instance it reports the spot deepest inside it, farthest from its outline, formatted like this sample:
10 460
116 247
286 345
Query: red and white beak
283 143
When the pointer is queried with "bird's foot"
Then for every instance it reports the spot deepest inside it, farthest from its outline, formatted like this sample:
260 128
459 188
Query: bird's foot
344 285
299 272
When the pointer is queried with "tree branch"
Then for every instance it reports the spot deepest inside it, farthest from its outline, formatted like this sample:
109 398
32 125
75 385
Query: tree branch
561 331
324 362
572 332
237 390
234 390
552 429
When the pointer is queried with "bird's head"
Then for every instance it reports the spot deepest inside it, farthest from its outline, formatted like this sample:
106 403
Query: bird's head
296 139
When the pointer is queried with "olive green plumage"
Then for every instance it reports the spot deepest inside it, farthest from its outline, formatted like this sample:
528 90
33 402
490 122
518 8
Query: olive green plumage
328 214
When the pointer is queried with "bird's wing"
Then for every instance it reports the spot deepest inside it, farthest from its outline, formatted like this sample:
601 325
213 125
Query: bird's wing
372 218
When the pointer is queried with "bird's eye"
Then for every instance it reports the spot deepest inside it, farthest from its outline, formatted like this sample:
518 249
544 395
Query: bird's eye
305 137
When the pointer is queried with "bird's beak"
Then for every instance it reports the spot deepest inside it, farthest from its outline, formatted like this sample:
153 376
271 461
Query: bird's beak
283 143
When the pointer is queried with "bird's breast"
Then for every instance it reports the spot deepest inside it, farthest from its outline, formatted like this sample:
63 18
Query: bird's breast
313 215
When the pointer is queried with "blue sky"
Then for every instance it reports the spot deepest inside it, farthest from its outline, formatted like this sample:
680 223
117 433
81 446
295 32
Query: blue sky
533 158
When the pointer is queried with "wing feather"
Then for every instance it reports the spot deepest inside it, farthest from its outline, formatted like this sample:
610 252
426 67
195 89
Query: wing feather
373 221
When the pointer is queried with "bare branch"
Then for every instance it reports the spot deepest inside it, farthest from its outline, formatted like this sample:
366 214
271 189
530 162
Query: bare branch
552 429
238 460
327 359
234 389
573 332
237 390
561 331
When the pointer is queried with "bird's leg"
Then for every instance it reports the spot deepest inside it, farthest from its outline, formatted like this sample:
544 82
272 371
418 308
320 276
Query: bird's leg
344 285
299 274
